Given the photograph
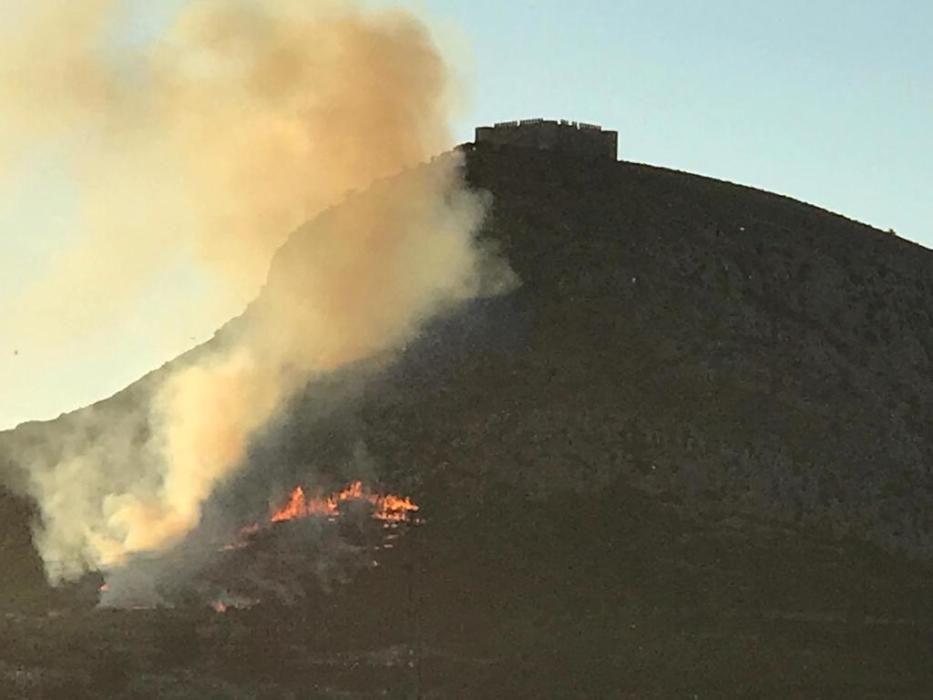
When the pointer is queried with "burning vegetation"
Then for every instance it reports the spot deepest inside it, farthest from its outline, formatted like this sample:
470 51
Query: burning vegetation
387 508
255 574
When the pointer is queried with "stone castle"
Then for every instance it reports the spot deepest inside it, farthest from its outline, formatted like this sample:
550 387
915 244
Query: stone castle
587 140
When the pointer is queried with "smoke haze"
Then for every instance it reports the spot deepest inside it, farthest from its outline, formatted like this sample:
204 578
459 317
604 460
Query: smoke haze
215 139
213 142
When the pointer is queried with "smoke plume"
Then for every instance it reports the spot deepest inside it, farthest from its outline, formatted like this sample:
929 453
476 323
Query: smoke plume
214 140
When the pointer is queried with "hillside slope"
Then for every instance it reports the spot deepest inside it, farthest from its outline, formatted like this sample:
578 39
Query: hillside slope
689 454
729 349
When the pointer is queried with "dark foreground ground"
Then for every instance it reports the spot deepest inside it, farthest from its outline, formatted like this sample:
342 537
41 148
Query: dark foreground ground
511 598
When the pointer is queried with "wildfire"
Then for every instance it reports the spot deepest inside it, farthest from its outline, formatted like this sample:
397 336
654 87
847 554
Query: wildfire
388 508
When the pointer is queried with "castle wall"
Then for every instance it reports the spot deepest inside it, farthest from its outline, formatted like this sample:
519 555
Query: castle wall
587 140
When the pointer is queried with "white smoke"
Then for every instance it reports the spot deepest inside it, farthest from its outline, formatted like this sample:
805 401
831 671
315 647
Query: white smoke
234 126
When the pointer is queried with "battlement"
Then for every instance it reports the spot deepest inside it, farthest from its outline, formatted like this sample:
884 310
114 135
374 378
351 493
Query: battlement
580 138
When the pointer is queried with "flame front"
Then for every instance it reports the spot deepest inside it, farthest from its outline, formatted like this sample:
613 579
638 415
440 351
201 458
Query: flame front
295 507
388 508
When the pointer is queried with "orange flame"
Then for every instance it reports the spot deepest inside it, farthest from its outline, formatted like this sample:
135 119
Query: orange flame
387 508
219 606
295 508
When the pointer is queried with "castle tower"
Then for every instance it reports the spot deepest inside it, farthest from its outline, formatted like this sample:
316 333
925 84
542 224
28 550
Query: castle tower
578 138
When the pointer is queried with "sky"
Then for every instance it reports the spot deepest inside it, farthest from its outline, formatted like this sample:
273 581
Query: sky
826 101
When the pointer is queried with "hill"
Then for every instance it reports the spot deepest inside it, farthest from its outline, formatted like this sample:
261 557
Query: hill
687 457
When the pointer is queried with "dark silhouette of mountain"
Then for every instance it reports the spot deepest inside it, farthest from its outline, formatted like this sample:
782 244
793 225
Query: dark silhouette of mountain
688 457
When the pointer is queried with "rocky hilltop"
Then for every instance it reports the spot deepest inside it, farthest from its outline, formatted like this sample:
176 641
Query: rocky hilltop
689 454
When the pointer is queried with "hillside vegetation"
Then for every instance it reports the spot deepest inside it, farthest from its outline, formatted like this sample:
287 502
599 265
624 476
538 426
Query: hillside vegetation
688 456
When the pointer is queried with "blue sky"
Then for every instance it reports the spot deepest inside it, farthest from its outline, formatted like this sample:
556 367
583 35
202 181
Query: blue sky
826 101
